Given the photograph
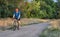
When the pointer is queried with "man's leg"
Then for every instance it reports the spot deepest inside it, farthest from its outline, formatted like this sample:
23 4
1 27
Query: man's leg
18 25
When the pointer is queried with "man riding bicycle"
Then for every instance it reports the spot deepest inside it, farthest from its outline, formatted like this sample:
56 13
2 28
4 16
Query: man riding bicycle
16 16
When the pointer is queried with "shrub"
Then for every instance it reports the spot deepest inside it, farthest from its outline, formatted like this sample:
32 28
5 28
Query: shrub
50 33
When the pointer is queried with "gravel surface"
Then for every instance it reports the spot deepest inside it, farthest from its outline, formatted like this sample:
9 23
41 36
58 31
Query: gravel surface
26 31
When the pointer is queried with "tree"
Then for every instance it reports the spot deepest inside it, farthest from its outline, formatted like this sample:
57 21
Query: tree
3 8
58 10
31 9
35 8
49 6
7 7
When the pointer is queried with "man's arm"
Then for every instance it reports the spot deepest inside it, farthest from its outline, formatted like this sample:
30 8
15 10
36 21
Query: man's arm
19 16
13 15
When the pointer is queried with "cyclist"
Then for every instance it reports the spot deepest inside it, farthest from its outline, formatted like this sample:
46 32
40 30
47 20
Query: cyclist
16 16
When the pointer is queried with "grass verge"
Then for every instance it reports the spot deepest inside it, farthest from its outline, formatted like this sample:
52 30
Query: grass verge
50 33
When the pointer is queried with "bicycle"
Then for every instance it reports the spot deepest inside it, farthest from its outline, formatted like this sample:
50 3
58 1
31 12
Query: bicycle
15 25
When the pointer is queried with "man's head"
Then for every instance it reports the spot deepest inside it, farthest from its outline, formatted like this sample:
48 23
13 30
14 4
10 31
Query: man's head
16 9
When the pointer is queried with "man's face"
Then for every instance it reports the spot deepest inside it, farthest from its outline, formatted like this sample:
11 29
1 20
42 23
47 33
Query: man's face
16 10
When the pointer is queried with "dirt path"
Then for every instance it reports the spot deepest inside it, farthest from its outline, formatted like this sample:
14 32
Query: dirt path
26 31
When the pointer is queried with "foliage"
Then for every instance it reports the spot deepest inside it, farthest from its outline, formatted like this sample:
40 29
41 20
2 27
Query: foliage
49 7
35 9
50 33
58 8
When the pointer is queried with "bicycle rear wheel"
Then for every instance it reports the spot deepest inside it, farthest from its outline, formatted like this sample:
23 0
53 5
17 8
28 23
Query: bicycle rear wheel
18 27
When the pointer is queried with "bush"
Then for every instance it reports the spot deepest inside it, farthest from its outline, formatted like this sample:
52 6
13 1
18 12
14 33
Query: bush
50 33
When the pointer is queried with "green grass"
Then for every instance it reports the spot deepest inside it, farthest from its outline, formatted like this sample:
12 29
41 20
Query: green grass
50 33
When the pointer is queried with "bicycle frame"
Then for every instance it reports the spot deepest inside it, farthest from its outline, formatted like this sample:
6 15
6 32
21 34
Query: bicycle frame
15 24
